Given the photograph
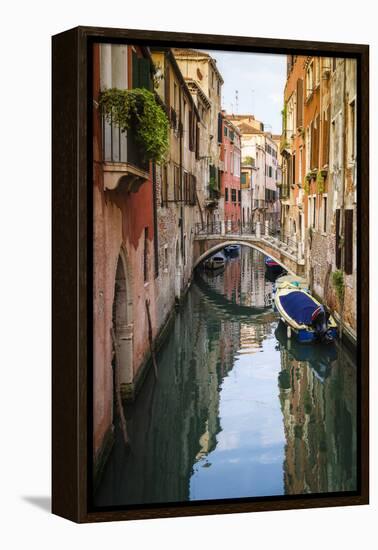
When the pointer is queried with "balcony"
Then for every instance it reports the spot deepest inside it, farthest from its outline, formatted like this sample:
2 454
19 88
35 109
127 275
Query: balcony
123 159
284 192
259 204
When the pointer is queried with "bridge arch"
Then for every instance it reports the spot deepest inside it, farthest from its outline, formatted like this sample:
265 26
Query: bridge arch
223 244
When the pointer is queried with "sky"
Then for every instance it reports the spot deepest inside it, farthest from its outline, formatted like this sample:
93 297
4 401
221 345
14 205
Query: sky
260 81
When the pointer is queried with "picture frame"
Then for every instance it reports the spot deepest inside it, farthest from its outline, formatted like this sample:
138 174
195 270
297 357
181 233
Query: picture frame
72 289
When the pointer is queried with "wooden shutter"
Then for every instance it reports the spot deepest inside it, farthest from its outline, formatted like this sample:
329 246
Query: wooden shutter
348 245
135 71
190 130
326 130
317 141
145 80
299 102
167 86
141 72
220 133
338 249
198 137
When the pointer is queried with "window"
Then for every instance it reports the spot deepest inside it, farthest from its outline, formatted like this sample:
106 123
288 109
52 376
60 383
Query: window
225 131
192 190
333 143
186 187
226 194
233 195
348 250
309 80
312 210
315 143
243 178
164 185
145 255
324 215
308 149
299 103
177 184
294 180
239 195
317 71
236 164
165 257
175 97
325 136
300 165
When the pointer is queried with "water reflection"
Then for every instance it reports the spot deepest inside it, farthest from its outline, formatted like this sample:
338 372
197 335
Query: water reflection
237 411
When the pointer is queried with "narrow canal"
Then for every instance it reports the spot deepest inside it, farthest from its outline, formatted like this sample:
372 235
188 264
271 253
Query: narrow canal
238 411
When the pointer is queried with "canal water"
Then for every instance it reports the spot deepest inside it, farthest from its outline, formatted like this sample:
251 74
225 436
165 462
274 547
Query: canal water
238 410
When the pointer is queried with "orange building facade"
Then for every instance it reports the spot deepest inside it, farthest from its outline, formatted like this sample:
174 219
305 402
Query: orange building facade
318 192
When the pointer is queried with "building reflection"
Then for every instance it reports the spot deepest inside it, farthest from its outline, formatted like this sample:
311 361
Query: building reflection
318 402
175 424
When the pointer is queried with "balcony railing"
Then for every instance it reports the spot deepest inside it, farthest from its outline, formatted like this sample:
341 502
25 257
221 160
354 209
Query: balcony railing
259 204
121 147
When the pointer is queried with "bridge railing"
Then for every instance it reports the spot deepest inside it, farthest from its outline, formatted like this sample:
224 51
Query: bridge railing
227 227
257 229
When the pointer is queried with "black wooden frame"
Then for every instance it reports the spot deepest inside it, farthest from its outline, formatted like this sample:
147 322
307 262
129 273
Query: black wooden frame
71 368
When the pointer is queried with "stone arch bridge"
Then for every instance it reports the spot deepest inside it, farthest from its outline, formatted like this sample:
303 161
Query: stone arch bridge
214 236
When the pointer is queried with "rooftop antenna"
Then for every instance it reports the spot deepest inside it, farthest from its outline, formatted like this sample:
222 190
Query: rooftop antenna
236 101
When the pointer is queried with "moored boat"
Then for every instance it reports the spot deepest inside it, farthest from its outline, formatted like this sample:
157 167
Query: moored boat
232 250
304 315
273 268
297 282
214 262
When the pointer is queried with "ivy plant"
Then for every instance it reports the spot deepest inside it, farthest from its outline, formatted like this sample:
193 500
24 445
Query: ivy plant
138 110
320 185
338 283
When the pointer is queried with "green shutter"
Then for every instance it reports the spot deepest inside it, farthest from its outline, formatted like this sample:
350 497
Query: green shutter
135 61
141 72
145 80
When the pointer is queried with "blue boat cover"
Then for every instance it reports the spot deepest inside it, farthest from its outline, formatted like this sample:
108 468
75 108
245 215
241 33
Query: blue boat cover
298 306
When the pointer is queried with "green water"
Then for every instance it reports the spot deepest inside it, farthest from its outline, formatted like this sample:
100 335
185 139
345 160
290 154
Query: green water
238 411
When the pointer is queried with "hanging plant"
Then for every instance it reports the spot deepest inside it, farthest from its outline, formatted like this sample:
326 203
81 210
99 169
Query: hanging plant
306 186
138 110
338 283
320 183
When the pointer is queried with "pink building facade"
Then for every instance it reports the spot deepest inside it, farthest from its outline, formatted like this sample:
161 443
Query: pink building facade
230 180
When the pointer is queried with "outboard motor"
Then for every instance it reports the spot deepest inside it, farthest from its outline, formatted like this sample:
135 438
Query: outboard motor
319 322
